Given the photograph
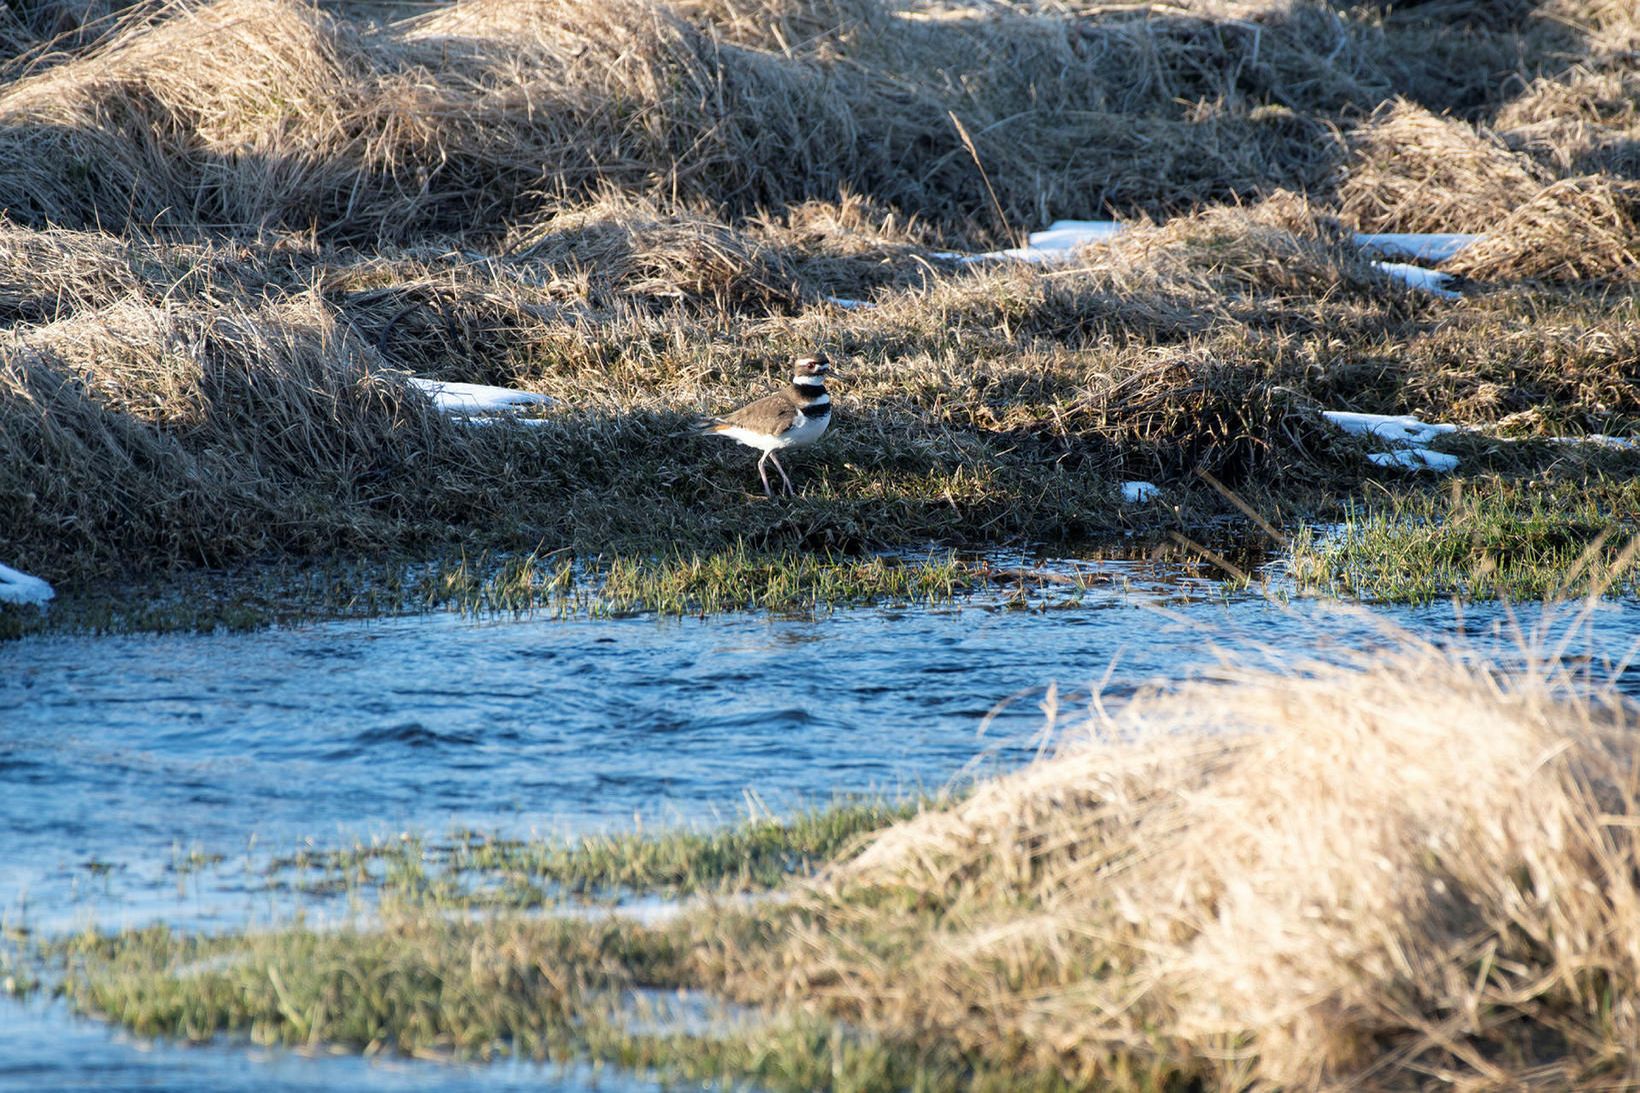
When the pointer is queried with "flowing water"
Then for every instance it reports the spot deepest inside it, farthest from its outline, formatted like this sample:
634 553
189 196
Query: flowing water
125 759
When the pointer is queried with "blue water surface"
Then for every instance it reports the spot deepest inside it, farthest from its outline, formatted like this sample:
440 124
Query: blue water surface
121 756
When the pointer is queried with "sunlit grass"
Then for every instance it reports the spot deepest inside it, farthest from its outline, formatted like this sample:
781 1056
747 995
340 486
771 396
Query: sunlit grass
477 869
1486 539
549 585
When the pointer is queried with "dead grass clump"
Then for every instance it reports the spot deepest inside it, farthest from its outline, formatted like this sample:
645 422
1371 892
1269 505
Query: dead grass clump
1609 28
466 117
1559 369
445 122
629 250
139 434
1579 229
1584 121
455 316
1280 246
1341 877
265 113
88 491
52 274
1412 171
231 114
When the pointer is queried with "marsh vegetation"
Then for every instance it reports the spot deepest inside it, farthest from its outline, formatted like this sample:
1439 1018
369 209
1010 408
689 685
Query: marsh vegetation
233 233
1174 899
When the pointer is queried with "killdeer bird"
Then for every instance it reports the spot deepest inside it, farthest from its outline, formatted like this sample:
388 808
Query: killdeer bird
791 418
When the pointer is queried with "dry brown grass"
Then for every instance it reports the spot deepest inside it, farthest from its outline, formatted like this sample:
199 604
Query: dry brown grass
1578 229
1412 171
247 114
140 436
1368 876
981 403
641 208
1584 122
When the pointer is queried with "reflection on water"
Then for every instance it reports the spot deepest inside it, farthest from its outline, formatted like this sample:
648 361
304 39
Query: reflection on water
148 777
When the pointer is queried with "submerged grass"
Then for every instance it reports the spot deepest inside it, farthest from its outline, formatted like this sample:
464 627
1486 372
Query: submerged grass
549 990
554 585
1176 900
477 869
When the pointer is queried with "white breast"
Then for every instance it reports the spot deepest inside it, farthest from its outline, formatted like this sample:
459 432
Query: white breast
805 432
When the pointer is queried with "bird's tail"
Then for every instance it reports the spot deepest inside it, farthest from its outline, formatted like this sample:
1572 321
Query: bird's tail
711 425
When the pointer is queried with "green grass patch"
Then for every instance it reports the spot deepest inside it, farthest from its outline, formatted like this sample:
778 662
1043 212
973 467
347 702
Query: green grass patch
547 584
444 970
476 869
558 990
1538 538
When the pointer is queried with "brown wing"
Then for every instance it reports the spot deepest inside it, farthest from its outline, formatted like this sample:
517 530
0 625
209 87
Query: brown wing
772 415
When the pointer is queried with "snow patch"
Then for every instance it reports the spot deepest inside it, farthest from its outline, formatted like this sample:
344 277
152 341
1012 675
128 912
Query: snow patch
1416 459
1137 493
1429 280
466 399
1063 237
19 587
1057 244
501 419
1419 247
849 305
1405 434
1601 440
1400 430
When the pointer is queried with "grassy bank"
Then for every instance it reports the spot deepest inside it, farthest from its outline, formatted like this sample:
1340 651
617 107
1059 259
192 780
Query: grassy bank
231 231
559 585
1534 539
1350 875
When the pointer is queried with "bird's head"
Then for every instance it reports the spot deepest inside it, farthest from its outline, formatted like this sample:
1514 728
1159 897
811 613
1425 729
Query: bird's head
811 370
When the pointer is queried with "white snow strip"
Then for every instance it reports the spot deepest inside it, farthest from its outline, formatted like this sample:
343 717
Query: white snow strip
476 398
1057 244
19 587
1601 440
1416 459
1423 248
500 419
1418 277
1137 493
1067 235
1401 431
1063 238
849 305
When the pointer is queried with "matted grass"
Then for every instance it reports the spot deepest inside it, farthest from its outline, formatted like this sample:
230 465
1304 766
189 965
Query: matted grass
232 229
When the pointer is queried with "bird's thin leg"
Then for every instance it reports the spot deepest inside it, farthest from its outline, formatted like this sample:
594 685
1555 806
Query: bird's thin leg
776 460
764 474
